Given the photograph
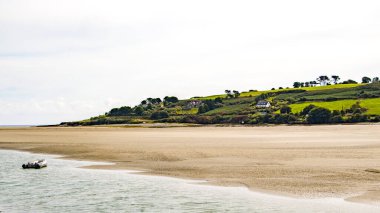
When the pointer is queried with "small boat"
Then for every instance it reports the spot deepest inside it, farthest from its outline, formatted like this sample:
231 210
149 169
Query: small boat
38 164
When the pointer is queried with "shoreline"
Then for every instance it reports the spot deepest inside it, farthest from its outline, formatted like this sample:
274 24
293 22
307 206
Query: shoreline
163 160
263 200
179 125
108 166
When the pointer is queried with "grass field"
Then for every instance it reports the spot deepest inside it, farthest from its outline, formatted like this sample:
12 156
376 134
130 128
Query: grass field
192 111
230 109
372 104
256 93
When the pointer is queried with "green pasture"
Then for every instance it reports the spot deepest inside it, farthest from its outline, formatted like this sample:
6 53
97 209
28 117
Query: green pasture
257 93
372 104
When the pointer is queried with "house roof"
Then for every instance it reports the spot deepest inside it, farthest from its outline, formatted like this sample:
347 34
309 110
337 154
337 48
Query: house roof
262 103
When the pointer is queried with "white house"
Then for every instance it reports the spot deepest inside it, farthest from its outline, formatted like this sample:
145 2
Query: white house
263 104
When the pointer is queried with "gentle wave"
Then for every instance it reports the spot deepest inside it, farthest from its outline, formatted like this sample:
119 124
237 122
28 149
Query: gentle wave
63 187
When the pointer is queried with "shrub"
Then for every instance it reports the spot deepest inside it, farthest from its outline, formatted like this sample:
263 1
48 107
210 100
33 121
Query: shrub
375 119
285 110
208 105
203 108
358 118
284 119
336 113
307 109
337 119
159 115
238 119
217 119
356 109
331 99
319 115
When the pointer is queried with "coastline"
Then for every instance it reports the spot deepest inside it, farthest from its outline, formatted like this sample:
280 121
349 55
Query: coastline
177 125
187 194
160 162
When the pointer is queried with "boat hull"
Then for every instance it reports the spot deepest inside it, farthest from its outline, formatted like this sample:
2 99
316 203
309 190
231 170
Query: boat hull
35 165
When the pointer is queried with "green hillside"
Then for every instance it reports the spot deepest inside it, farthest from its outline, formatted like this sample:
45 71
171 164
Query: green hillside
340 103
256 93
372 104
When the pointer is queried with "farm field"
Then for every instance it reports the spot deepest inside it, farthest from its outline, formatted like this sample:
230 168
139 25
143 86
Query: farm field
257 93
372 104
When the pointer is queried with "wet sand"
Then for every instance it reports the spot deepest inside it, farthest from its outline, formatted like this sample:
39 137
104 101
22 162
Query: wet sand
302 161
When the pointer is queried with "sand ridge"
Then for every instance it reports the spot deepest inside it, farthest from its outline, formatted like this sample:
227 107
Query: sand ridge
306 161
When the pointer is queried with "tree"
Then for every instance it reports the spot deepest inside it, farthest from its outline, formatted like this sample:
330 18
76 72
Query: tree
122 111
138 110
157 100
229 93
171 99
203 108
375 80
319 115
125 110
144 102
335 78
236 93
296 84
366 80
154 100
149 100
323 80
285 110
302 84
307 84
349 81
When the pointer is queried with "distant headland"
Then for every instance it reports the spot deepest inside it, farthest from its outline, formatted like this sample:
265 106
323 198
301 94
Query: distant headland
325 100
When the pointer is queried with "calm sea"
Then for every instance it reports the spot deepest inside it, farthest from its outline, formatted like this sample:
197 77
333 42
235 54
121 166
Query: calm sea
63 187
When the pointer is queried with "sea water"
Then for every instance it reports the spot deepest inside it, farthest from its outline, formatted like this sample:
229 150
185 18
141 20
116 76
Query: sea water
64 187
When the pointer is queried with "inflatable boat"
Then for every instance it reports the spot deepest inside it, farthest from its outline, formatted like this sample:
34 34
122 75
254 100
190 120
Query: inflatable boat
38 164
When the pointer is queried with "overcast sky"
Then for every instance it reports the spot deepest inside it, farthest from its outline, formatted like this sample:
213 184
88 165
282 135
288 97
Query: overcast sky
72 59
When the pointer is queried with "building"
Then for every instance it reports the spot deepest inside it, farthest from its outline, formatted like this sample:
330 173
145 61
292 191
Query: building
263 104
193 104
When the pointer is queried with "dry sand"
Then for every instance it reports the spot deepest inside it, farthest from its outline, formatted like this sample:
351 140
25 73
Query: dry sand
306 161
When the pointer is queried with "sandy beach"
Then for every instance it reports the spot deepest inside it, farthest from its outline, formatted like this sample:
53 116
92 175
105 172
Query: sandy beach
302 161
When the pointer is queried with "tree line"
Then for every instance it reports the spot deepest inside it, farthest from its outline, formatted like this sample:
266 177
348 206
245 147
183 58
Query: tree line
145 105
324 80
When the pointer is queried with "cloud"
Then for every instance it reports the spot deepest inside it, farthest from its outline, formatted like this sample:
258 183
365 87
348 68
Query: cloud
58 58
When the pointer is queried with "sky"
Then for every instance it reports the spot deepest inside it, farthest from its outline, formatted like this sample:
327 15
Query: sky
74 59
